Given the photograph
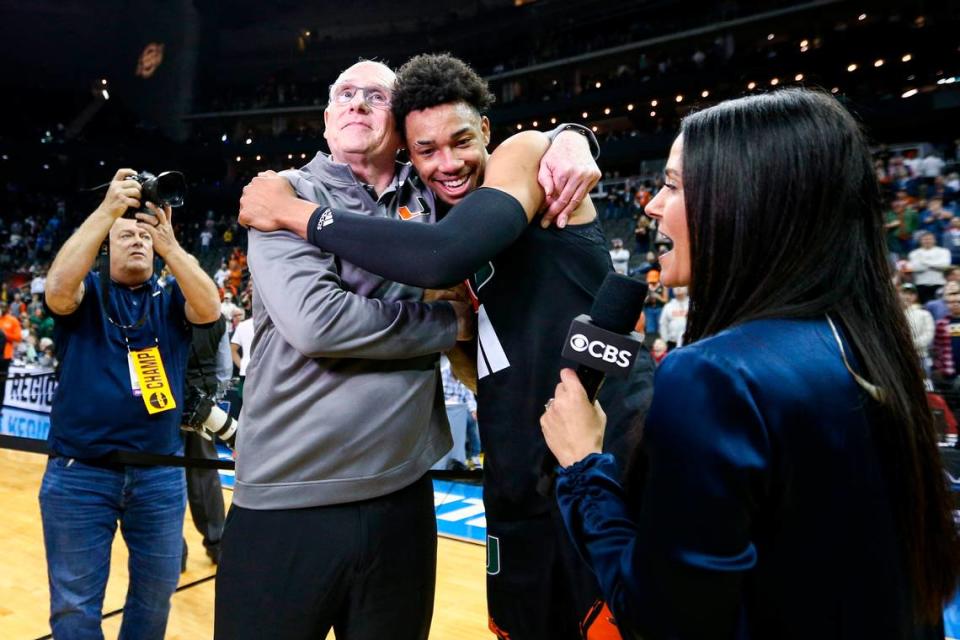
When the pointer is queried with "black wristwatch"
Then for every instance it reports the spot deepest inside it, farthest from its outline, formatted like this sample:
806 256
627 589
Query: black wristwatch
579 128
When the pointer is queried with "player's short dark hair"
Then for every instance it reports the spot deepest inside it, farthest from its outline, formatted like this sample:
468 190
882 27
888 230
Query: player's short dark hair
428 80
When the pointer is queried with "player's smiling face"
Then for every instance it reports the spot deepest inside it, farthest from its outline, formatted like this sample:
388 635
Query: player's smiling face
448 147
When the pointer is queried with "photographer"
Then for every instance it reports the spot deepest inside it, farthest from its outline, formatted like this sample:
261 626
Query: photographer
113 341
207 374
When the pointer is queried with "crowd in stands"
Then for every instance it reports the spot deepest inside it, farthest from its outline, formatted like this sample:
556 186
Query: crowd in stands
920 186
32 228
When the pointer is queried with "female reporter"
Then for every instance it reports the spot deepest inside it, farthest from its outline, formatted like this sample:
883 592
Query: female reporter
788 480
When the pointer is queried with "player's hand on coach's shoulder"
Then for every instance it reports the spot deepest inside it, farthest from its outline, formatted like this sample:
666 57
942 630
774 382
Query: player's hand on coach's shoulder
263 201
568 171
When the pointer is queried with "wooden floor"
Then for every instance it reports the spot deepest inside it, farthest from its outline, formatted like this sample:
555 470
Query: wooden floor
459 611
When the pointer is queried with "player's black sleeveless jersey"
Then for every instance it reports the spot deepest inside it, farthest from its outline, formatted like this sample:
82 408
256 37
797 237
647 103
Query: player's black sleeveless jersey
528 295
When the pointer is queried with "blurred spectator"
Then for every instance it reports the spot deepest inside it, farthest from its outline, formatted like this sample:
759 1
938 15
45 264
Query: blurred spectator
659 350
239 315
653 305
10 330
206 238
641 234
37 285
42 324
946 342
951 240
928 264
901 223
47 356
227 307
241 347
456 391
17 307
26 351
930 168
220 277
619 256
920 321
650 263
673 318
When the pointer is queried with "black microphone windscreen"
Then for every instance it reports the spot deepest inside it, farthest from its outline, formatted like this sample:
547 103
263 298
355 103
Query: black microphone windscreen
618 303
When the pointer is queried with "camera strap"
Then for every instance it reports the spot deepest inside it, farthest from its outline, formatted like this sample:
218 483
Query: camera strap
148 378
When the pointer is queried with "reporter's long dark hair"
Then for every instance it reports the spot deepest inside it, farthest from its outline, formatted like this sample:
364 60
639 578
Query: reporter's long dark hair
783 210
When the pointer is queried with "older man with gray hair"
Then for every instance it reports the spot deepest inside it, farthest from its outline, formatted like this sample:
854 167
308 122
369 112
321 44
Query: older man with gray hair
332 523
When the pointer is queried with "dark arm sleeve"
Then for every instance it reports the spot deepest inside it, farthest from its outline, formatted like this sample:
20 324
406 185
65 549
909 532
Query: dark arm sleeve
423 255
689 540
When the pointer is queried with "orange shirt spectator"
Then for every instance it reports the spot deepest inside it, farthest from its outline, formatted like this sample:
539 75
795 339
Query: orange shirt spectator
11 330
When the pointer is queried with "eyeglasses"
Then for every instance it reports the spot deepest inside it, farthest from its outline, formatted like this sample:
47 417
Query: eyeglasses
376 97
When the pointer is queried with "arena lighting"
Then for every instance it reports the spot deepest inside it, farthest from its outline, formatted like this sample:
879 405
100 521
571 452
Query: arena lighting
103 81
238 158
6 157
248 141
775 81
770 36
653 103
258 157
598 85
653 114
704 94
804 44
679 98
306 33
852 67
878 63
804 49
585 115
105 94
594 128
835 90
862 17
303 156
751 86
553 121
46 166
519 126
909 94
798 77
289 156
949 80
906 57
536 124
223 138
630 107
606 111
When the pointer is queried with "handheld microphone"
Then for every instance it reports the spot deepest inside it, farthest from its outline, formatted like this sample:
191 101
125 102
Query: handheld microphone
602 344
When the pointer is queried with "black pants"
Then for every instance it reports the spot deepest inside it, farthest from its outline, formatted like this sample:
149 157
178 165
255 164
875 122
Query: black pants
367 569
204 493
537 585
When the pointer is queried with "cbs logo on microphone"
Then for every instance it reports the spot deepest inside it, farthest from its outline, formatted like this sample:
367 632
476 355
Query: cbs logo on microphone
600 350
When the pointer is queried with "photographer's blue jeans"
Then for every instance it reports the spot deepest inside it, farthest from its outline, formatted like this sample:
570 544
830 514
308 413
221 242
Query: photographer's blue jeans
80 506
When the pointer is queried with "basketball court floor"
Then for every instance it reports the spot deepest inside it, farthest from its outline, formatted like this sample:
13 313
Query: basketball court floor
459 607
